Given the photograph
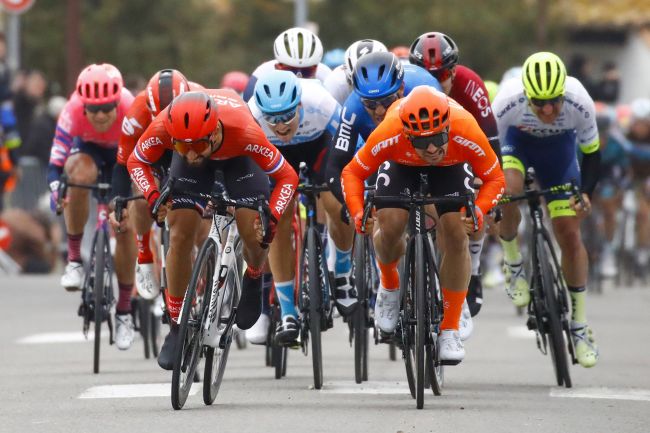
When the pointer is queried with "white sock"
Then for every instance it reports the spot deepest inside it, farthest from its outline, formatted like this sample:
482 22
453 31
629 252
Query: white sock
475 248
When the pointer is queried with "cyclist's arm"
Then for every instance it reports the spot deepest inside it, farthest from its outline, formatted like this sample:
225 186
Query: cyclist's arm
149 149
342 149
61 145
590 168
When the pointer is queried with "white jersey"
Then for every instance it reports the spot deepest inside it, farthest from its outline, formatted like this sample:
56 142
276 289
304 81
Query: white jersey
319 113
337 84
321 74
578 114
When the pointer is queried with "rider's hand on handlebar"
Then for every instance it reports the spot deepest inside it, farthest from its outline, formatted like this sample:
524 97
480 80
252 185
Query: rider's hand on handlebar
270 230
358 221
162 210
468 221
581 209
119 226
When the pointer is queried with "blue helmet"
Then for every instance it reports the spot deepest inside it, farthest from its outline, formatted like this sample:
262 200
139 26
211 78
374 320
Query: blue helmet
377 75
334 58
277 92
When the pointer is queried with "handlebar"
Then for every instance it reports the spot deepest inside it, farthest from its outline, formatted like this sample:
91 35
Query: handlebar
119 204
102 187
532 194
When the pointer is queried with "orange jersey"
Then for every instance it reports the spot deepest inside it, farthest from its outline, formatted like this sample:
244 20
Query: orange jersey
467 144
136 120
242 136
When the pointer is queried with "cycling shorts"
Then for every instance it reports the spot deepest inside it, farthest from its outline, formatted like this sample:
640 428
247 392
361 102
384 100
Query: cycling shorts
103 158
448 181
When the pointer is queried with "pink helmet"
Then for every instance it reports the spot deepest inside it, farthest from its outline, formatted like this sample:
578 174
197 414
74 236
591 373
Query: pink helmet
235 80
100 84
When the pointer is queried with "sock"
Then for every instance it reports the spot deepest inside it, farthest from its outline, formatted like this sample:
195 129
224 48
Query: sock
388 274
124 298
453 304
511 252
330 253
343 262
284 294
174 305
267 283
74 247
475 248
144 250
578 300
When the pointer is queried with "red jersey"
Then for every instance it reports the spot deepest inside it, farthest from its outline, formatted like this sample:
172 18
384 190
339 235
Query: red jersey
467 144
469 91
136 120
242 136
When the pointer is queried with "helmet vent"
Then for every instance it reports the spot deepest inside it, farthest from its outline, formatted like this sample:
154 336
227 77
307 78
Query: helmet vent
301 44
186 120
283 85
313 47
267 90
380 72
207 110
287 46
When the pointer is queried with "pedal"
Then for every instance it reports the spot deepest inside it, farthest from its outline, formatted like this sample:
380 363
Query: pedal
387 338
531 323
448 362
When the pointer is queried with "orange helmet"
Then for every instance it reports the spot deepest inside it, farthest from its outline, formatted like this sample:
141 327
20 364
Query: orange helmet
163 87
424 112
192 117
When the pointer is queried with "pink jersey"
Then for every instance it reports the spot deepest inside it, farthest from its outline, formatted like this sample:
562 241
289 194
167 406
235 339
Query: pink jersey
73 124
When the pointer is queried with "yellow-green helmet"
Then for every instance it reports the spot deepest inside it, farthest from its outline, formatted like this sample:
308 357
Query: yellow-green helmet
544 76
492 89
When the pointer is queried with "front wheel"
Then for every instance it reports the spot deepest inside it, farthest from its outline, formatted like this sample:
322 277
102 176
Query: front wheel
362 275
311 260
101 275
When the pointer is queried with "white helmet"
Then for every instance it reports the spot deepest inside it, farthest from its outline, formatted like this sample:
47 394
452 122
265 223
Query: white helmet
298 48
640 109
358 49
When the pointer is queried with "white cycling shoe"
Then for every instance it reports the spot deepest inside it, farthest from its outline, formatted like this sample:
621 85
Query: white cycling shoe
387 309
466 324
145 281
73 276
260 330
452 350
124 331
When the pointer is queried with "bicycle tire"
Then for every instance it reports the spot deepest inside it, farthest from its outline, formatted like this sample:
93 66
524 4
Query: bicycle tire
315 304
434 370
193 315
359 316
217 358
422 320
406 318
277 356
154 334
392 351
144 317
549 276
98 296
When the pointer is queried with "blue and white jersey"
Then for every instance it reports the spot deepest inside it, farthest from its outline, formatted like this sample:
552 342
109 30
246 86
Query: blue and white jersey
337 84
578 115
319 114
321 74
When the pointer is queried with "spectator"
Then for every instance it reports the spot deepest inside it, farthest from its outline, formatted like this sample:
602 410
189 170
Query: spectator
39 141
609 85
580 68
28 97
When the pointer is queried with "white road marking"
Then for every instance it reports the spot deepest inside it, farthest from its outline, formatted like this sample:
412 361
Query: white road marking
60 337
520 332
602 393
133 391
370 387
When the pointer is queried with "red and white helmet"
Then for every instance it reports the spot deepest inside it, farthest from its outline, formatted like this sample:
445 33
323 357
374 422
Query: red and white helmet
100 84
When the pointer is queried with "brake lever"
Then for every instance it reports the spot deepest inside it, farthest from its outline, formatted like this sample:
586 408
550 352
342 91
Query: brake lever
62 191
470 211
164 197
367 211
262 210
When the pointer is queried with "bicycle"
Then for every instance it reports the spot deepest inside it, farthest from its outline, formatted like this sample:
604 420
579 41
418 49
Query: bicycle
421 311
548 311
314 300
209 306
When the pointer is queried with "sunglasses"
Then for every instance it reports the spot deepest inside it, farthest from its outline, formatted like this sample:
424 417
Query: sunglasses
306 72
372 104
286 118
422 143
441 74
104 108
198 146
540 103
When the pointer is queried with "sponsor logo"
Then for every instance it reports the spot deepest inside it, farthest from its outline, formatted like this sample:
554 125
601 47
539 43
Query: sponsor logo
345 131
469 144
507 108
489 170
364 166
286 192
261 150
138 176
479 97
129 124
225 100
151 141
244 177
391 141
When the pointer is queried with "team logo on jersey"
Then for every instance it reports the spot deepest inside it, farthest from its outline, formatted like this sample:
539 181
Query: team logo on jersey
262 150
151 141
470 145
129 124
384 144
138 176
345 131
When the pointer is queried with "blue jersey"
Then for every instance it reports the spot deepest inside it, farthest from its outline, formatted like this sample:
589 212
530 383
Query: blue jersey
356 125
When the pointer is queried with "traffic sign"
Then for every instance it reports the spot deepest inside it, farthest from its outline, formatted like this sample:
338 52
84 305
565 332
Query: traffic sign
16 6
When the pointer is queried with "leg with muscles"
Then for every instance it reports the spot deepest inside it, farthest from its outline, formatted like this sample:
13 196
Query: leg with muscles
339 252
516 283
575 268
145 281
282 261
389 246
455 270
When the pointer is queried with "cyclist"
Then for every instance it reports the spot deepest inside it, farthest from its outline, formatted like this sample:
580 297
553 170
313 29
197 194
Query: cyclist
297 50
541 118
334 58
211 130
402 52
339 82
438 53
379 80
425 133
235 80
163 86
84 146
300 118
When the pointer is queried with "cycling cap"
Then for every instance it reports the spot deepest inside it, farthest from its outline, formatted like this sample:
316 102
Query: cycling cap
163 87
377 75
358 49
100 84
298 48
434 51
277 92
424 112
543 76
191 116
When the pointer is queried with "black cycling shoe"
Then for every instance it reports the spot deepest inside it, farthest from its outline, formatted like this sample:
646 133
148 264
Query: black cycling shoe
346 296
250 304
287 332
475 295
168 349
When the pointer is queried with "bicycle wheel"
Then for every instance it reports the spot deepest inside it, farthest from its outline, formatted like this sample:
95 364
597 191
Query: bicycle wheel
422 326
407 318
434 371
277 352
154 333
144 317
314 282
193 316
550 277
360 315
216 358
98 295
